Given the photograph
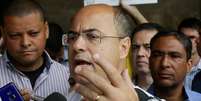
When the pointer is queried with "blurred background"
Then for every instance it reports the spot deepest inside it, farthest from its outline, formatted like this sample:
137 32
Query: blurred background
168 13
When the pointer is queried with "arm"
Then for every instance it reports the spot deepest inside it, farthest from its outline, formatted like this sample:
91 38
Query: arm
134 12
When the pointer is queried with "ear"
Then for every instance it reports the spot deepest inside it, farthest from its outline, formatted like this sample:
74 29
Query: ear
124 47
189 65
46 29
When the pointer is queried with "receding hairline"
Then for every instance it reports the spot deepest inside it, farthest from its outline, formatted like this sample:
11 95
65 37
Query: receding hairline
93 10
114 12
97 8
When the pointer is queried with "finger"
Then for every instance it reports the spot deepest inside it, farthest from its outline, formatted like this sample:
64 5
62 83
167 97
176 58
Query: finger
98 81
86 92
26 94
111 72
91 86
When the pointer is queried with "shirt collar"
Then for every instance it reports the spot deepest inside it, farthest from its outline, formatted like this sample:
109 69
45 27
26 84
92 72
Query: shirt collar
185 92
199 64
48 60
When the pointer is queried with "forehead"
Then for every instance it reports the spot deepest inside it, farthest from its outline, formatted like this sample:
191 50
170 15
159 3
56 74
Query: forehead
18 23
168 44
102 21
143 36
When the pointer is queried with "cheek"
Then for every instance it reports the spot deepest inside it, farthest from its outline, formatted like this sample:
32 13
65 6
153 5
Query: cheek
11 45
154 65
181 69
110 54
40 41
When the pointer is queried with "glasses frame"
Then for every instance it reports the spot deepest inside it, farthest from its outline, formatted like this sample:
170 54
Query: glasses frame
101 37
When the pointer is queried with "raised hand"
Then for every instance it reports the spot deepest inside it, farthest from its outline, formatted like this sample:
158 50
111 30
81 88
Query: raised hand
119 88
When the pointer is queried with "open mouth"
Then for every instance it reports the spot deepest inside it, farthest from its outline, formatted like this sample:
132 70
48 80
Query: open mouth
82 62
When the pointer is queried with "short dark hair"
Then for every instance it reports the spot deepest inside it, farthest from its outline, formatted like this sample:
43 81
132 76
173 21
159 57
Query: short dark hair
193 23
123 22
21 8
147 26
181 37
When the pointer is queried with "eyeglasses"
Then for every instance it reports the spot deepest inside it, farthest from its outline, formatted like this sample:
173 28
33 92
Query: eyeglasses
93 36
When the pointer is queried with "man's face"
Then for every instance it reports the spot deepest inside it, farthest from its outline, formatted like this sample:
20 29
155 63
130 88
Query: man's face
141 50
194 36
25 38
81 49
168 62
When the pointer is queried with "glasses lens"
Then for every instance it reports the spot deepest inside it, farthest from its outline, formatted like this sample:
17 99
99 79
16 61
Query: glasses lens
93 37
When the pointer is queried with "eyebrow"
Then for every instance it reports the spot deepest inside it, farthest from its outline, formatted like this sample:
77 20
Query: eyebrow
90 30
140 44
87 30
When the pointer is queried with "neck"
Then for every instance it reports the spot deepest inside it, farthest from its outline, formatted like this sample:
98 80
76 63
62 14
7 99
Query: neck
170 93
195 59
27 67
144 81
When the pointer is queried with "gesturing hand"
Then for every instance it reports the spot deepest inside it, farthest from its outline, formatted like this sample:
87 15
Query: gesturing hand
119 88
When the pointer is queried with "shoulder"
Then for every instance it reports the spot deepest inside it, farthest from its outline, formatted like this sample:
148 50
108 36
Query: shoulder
54 65
193 96
145 96
57 67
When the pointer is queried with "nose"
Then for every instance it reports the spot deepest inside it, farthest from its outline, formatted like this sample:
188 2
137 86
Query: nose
80 44
25 41
141 52
165 61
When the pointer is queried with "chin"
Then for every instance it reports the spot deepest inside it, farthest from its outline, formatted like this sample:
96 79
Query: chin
164 84
29 61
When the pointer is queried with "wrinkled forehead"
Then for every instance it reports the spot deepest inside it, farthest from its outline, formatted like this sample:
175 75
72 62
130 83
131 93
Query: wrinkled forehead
100 20
168 43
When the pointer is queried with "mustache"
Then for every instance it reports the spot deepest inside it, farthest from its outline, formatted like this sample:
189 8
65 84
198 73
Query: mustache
85 57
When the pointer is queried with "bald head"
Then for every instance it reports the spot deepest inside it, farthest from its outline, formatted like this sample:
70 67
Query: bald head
93 9
122 22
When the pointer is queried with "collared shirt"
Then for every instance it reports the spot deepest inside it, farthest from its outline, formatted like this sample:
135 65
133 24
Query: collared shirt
190 76
188 94
54 77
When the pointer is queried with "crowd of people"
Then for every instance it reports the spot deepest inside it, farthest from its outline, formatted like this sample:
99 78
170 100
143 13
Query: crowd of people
166 63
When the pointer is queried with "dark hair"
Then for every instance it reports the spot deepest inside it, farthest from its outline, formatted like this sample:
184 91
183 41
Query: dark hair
21 8
123 22
147 26
54 42
182 38
193 23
